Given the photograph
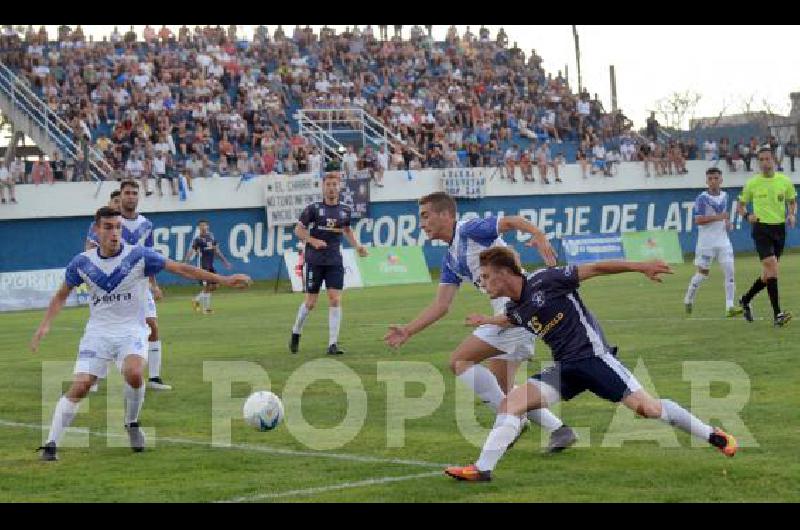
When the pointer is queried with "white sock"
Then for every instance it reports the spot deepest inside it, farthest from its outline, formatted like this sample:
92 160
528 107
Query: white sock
506 427
206 301
546 419
134 399
62 417
694 284
483 382
334 320
154 359
302 314
199 296
679 417
730 284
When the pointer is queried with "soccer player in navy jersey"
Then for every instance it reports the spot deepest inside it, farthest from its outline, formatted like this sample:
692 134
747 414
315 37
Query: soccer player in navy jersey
546 302
487 360
321 227
208 248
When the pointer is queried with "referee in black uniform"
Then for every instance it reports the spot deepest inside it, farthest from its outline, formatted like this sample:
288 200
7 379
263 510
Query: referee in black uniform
770 192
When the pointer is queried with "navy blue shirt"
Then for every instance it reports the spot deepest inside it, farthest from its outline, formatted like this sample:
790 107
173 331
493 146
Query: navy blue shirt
205 245
327 223
551 308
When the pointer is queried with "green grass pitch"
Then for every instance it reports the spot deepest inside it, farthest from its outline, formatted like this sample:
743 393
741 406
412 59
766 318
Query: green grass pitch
646 320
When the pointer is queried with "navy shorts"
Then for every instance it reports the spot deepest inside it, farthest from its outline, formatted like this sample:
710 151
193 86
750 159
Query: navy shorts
209 269
332 275
603 375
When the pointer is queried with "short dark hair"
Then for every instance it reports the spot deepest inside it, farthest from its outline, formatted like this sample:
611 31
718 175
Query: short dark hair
203 221
503 257
125 183
711 170
105 211
115 194
440 202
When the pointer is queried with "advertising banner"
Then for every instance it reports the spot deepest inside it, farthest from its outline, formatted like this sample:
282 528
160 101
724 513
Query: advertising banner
355 193
464 182
34 289
592 247
656 244
287 195
393 266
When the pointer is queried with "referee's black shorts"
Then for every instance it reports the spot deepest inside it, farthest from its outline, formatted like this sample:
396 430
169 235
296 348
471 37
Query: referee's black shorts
769 239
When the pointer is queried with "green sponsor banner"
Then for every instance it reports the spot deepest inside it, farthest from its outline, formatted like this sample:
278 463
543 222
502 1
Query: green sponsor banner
656 244
394 265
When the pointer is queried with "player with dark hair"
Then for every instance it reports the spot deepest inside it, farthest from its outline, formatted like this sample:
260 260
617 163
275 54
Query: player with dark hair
547 303
115 274
138 230
208 248
770 192
487 360
91 236
321 227
712 219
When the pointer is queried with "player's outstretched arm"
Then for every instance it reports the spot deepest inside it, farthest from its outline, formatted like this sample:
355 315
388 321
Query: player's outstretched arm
398 335
56 303
194 273
538 238
189 255
651 269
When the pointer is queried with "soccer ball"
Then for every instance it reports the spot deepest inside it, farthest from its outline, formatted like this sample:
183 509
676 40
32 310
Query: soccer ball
263 410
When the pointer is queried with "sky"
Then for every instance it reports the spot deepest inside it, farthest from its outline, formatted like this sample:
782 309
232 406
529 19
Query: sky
726 65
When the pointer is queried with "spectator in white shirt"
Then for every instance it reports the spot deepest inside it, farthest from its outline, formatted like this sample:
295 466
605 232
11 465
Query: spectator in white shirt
350 161
710 150
315 162
627 150
511 157
160 169
195 167
599 154
135 169
381 165
6 181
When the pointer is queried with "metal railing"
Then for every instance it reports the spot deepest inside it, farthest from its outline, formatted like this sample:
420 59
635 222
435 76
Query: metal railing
353 120
55 129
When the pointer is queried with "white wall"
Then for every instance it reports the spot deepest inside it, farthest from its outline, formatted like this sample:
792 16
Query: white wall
82 198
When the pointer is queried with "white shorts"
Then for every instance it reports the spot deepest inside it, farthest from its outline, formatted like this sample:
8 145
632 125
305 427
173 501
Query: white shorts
95 352
516 342
150 306
705 256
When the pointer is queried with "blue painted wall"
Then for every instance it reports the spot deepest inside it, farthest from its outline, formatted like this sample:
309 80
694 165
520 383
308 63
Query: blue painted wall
256 250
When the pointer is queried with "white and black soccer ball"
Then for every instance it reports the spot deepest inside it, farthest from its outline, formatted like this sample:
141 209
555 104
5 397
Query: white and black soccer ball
263 410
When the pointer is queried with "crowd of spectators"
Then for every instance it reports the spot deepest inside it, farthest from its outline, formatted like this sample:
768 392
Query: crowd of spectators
224 104
205 102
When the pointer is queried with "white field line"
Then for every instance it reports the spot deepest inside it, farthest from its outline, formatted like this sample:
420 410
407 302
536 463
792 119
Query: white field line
333 487
247 447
